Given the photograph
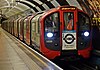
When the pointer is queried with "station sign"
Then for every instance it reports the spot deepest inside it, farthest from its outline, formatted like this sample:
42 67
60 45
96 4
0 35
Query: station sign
96 19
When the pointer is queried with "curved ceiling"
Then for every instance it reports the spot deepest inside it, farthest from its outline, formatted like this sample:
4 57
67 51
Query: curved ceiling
13 7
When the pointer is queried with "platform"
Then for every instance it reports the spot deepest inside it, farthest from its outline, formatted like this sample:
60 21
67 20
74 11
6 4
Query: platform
15 57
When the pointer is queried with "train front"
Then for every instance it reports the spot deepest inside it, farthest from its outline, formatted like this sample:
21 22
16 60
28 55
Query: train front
65 31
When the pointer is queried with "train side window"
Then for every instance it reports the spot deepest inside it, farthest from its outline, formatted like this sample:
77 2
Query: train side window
37 20
39 25
20 23
33 26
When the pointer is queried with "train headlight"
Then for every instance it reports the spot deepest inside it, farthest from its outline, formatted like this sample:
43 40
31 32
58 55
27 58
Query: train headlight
86 33
49 34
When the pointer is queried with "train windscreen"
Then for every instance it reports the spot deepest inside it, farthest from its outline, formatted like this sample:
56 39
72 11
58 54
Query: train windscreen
83 21
52 24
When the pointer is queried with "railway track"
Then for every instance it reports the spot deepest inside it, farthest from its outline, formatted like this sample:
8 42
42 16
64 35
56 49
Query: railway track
82 66
77 65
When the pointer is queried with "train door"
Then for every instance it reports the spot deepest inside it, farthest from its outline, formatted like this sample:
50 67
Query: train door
14 28
35 31
21 29
27 31
18 27
10 26
68 32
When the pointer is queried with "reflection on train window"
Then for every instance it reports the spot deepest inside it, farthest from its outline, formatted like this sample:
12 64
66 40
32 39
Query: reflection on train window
21 27
68 19
33 26
25 28
83 21
39 25
52 22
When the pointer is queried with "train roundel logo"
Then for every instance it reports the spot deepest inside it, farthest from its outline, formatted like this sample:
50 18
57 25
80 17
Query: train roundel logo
69 38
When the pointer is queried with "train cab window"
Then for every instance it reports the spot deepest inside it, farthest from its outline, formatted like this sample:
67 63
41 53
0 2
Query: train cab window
68 20
52 26
83 25
52 22
83 22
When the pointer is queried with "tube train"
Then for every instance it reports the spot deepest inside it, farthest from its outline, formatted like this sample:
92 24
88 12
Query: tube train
62 31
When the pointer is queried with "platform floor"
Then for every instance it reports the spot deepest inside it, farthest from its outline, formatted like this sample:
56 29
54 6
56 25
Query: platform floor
14 58
10 59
